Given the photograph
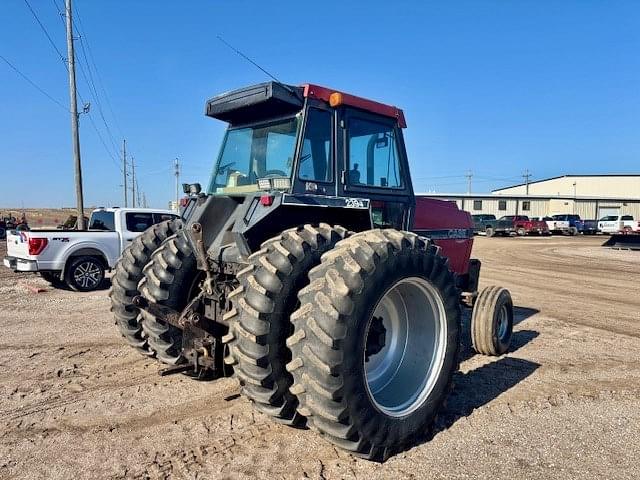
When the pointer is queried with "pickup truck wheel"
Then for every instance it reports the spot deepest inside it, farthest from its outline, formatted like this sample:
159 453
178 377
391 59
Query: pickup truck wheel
84 274
492 321
489 232
521 232
375 342
259 322
170 279
128 273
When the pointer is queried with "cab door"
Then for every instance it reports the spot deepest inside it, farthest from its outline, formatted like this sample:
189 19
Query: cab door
374 166
315 171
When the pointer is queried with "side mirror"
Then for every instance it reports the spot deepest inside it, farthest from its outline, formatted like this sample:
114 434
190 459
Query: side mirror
191 188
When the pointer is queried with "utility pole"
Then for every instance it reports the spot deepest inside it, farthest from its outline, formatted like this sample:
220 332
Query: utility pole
124 170
133 183
469 176
177 173
75 134
526 177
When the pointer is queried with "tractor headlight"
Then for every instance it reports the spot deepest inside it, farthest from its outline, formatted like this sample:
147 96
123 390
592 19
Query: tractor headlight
281 183
264 184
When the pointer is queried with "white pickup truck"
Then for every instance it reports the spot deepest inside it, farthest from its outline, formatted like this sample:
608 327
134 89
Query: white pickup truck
556 226
617 224
79 259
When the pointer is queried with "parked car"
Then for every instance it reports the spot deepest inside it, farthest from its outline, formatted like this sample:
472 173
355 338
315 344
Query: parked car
577 225
480 222
523 225
490 226
617 224
557 226
589 227
79 259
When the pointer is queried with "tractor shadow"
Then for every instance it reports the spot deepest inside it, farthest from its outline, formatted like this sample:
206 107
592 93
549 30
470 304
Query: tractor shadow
519 339
478 387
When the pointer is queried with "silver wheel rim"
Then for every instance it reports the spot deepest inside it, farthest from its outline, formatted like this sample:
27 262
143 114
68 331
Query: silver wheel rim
503 322
87 275
402 374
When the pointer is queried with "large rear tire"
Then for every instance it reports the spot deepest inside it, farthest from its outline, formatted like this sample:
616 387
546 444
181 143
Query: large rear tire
128 273
170 279
259 320
492 321
376 341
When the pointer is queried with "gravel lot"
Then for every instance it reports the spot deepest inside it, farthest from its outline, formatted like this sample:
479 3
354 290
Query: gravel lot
75 402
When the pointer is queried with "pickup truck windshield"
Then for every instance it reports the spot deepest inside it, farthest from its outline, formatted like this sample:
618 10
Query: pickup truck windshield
249 153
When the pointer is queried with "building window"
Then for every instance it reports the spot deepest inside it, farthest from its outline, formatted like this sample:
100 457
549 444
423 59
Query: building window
502 204
526 206
477 204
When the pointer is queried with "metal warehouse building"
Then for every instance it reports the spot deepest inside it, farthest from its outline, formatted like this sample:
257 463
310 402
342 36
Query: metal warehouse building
590 196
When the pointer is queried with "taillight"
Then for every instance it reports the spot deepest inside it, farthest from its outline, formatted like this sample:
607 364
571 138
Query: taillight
266 200
36 245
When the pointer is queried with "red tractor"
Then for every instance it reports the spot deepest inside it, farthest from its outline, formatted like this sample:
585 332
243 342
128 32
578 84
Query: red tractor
311 271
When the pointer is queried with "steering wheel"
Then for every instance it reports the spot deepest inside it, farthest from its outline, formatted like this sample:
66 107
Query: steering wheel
274 173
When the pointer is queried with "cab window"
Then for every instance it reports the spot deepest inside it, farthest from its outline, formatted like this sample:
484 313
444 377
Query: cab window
316 159
161 217
138 222
102 221
373 155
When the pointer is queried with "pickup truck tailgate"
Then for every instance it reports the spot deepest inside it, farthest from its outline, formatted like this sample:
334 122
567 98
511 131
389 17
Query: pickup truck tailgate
18 244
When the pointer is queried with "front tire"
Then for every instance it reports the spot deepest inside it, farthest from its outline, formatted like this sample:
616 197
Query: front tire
492 321
84 274
376 341
259 320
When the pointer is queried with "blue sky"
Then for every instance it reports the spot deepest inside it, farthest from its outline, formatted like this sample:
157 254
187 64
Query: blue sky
495 87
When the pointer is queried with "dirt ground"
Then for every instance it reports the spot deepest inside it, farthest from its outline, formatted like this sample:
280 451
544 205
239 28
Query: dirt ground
76 402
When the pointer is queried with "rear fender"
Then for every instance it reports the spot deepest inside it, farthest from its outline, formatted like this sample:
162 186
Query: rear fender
85 249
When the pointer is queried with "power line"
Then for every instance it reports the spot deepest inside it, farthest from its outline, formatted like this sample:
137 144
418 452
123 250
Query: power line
35 15
95 68
90 84
33 84
59 10
94 94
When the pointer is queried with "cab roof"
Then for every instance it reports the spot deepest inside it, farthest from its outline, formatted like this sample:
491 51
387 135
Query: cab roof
270 99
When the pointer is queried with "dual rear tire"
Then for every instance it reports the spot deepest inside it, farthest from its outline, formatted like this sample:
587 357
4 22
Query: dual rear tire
128 274
375 342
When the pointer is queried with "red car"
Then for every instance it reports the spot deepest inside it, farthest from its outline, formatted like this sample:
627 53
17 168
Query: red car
523 225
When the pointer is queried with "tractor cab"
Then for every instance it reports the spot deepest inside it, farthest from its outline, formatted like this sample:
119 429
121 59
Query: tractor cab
311 145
